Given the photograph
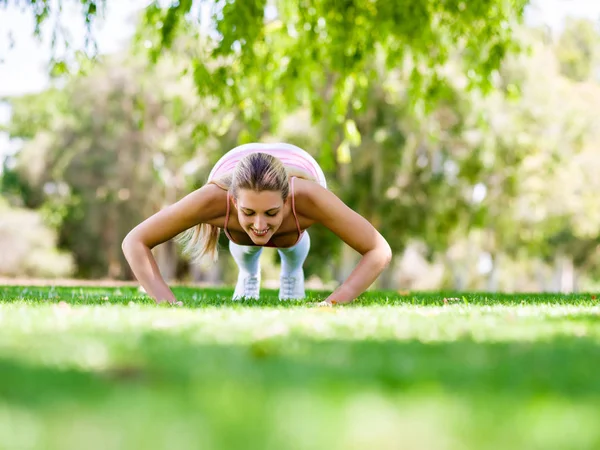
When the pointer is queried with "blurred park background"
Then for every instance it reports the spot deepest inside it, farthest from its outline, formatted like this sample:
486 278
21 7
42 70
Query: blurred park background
468 133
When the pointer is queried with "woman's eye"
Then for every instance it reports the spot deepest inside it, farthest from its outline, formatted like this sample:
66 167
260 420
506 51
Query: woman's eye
252 213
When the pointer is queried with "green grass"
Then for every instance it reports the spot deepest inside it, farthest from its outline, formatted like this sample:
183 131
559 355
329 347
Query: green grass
97 368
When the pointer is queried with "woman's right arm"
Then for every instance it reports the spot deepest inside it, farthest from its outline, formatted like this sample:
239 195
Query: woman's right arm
202 205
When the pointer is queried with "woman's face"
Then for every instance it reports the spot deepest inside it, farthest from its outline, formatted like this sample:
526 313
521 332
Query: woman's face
260 213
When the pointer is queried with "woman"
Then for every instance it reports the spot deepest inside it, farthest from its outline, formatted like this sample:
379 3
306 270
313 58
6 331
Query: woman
260 195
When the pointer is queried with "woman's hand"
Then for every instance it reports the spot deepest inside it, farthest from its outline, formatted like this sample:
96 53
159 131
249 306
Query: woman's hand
326 303
324 207
201 206
170 303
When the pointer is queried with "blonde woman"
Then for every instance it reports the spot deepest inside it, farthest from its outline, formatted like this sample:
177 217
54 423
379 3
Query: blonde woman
260 195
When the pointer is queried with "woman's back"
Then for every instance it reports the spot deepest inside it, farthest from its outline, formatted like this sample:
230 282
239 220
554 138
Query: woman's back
297 162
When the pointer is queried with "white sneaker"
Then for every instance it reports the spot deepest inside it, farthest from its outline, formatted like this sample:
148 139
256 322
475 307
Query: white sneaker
248 286
292 286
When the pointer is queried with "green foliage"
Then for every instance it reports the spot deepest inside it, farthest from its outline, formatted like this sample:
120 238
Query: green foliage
41 110
44 11
13 188
332 56
319 53
578 49
424 117
94 165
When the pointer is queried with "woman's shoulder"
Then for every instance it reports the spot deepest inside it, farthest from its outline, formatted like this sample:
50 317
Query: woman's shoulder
306 187
210 191
307 194
210 198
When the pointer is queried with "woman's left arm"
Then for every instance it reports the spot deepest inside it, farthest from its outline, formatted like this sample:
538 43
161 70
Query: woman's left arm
326 208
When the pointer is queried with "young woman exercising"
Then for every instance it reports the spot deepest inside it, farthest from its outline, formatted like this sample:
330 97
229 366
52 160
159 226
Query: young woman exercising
260 195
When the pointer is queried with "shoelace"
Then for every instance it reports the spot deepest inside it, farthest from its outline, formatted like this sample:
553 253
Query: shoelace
251 284
288 284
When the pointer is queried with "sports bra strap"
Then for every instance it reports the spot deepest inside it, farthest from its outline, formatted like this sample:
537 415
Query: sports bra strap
227 219
294 209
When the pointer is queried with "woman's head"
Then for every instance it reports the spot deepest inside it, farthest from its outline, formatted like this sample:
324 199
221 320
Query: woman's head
260 189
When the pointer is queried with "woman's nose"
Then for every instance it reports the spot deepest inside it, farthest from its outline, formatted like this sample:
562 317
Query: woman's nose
260 223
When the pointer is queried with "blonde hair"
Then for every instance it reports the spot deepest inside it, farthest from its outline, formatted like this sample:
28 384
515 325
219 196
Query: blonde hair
257 172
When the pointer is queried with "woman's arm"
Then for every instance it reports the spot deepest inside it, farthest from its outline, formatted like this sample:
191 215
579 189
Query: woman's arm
326 208
204 204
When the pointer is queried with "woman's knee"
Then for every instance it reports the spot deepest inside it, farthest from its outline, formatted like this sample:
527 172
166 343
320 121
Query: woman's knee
244 251
300 249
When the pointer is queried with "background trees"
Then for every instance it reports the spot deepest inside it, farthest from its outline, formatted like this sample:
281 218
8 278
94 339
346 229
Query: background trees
475 157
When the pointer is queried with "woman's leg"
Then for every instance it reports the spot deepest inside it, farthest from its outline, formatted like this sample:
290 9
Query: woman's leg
292 274
247 259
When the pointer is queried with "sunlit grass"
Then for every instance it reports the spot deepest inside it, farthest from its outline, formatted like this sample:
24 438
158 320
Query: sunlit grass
101 368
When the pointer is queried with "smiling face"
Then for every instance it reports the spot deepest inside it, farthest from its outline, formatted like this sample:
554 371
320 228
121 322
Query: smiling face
260 189
260 213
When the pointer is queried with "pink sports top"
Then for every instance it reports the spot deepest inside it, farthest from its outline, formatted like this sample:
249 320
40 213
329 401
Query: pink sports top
268 244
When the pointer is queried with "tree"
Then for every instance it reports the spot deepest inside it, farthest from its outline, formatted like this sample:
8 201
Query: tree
44 11
578 48
105 152
281 54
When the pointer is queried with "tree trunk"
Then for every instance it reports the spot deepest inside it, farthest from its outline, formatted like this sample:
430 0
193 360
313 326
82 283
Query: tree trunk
494 275
166 258
564 274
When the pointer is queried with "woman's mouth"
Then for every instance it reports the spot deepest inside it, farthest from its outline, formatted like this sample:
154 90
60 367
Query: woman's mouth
259 232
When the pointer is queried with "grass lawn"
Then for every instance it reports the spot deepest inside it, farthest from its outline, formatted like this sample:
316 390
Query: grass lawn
100 368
